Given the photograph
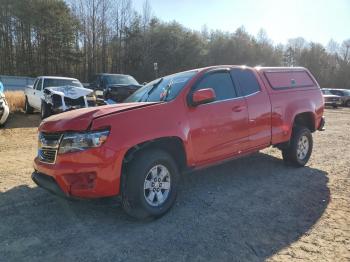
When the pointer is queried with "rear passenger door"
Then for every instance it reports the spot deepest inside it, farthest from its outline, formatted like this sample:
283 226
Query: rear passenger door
259 106
218 129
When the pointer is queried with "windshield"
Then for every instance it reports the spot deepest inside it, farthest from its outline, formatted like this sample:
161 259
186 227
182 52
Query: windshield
120 80
162 89
53 82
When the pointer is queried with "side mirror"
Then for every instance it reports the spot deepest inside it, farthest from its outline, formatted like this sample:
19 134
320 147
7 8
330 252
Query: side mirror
203 96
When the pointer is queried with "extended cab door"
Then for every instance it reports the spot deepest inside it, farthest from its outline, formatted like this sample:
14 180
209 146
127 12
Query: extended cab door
218 129
37 94
259 106
30 92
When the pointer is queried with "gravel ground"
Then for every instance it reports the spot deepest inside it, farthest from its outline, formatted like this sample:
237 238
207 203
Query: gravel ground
251 209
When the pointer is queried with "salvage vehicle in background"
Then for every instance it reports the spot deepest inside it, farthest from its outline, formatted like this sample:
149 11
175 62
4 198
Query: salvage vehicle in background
115 87
51 95
177 123
330 99
344 95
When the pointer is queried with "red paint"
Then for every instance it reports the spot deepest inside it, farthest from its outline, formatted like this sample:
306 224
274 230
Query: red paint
210 133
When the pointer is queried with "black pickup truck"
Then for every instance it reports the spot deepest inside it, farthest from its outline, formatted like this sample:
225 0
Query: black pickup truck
116 87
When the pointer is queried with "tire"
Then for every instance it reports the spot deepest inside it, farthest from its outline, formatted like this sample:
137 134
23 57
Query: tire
138 185
27 108
45 110
300 148
334 106
347 103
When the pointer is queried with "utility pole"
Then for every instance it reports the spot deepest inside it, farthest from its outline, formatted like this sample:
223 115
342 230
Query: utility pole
155 67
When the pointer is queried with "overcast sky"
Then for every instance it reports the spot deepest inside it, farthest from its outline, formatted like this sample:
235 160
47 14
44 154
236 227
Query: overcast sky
317 21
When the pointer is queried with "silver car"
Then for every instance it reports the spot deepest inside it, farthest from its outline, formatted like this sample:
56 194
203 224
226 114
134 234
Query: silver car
330 99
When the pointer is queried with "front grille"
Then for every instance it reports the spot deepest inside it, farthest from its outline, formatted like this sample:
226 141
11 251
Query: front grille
47 155
48 147
79 102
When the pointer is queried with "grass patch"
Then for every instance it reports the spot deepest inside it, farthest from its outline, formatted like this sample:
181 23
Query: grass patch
15 100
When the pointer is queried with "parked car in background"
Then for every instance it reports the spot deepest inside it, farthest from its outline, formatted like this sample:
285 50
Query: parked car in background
181 122
343 93
116 87
51 95
330 99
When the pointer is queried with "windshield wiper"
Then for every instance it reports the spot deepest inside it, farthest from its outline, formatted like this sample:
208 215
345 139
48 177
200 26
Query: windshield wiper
154 86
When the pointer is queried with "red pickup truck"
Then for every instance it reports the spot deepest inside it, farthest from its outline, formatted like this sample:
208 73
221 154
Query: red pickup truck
185 121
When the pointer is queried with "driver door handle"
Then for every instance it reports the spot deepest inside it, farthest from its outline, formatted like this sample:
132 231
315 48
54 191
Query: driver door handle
237 108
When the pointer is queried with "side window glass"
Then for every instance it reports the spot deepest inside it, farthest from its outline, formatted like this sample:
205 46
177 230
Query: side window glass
39 84
246 80
222 84
35 83
336 92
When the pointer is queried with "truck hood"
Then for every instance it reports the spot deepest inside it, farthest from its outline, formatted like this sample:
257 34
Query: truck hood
73 92
116 86
81 119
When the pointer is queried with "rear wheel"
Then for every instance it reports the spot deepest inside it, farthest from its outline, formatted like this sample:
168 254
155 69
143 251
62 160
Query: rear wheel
149 184
45 110
347 103
300 148
27 108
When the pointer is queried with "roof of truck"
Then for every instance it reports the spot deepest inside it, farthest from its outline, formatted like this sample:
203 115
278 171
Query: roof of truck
58 77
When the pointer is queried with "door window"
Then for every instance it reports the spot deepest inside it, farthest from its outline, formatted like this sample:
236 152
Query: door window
246 80
222 84
39 84
35 83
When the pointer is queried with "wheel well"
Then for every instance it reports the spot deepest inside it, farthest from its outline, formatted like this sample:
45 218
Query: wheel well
305 119
173 145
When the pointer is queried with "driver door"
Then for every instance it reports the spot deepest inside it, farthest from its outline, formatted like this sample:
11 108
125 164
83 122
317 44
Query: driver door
219 129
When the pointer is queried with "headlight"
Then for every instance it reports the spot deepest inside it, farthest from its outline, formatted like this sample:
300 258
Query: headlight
73 142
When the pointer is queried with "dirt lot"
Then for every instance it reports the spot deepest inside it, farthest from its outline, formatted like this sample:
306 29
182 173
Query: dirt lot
251 209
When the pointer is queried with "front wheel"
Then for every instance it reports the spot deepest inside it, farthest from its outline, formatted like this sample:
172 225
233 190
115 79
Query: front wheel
149 185
300 148
45 110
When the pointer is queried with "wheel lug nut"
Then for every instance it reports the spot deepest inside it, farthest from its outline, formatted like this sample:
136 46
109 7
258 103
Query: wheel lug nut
158 179
152 184
160 184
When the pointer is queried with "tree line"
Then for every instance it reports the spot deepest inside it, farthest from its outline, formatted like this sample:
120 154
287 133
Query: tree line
79 38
